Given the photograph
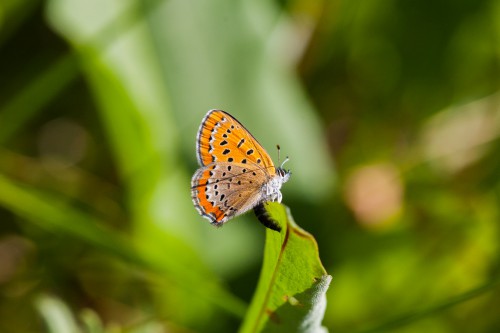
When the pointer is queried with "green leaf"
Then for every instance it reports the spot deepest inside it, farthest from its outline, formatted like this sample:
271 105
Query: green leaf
290 296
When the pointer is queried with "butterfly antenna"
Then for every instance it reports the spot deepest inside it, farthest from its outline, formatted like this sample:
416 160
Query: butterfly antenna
286 158
279 148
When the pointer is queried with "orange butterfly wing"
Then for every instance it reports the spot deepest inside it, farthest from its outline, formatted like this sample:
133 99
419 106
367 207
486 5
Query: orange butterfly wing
222 138
223 190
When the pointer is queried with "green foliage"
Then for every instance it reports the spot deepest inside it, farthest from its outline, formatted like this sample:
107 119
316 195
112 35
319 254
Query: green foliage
99 106
291 294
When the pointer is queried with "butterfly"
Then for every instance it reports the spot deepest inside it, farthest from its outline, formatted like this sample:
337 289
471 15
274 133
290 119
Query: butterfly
236 173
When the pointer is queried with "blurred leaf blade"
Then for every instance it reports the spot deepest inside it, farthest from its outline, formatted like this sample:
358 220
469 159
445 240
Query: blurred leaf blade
134 107
55 215
291 293
135 110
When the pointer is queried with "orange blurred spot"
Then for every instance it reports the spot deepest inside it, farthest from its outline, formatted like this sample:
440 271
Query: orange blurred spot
374 193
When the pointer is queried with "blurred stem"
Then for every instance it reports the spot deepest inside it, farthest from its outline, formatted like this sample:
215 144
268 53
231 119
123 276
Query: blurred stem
417 315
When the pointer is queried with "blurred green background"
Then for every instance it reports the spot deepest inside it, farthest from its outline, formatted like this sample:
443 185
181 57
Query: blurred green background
389 111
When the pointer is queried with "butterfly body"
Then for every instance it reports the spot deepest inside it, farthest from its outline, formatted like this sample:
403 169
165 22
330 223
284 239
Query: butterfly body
236 173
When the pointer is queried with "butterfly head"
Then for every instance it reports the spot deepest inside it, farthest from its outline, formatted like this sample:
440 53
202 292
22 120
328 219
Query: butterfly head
272 188
281 172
